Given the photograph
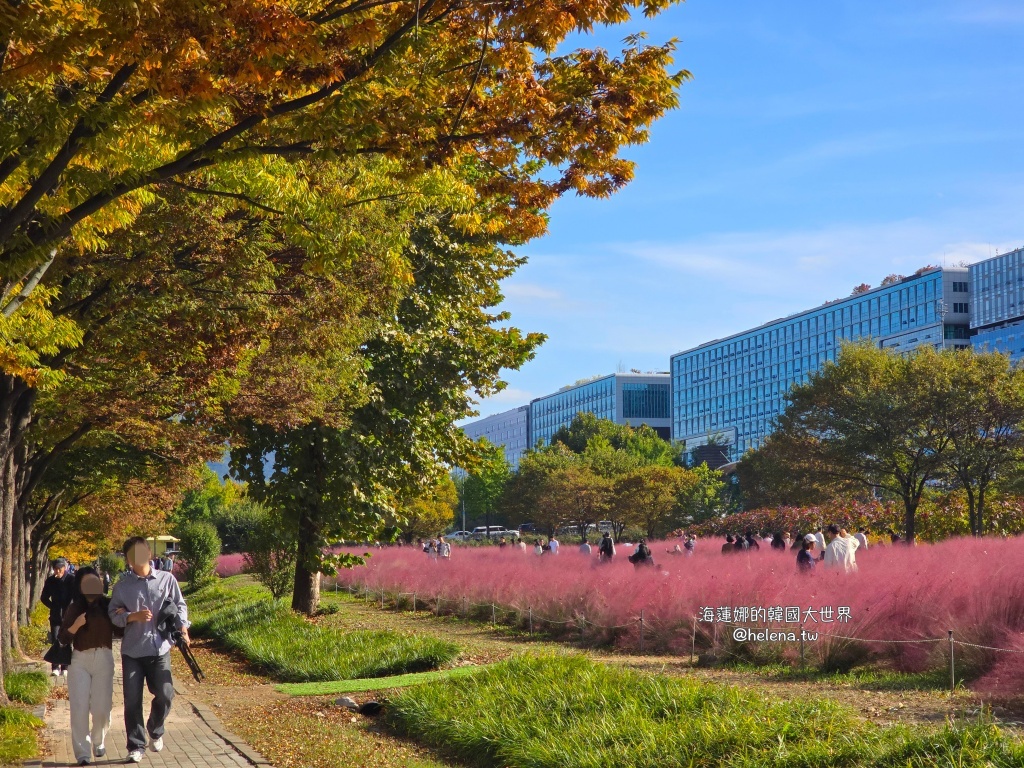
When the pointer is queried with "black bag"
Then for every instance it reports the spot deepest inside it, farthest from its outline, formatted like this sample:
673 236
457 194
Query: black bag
58 655
634 557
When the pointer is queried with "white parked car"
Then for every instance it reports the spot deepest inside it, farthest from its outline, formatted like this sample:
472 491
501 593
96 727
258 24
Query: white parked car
458 536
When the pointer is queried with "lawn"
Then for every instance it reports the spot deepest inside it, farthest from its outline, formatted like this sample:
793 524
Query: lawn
338 687
290 648
571 712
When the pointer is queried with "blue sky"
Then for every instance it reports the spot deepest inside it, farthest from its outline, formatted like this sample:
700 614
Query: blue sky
819 145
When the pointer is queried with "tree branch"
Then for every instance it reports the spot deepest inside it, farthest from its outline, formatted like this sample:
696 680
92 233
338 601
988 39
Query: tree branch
30 285
85 128
231 195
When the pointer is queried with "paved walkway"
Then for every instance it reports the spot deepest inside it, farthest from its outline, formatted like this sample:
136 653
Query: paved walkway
195 738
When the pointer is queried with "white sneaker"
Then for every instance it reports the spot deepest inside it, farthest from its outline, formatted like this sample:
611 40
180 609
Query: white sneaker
156 744
54 673
64 673
99 751
135 756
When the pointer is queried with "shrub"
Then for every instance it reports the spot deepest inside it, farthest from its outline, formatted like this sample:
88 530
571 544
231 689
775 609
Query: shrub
200 547
18 735
111 563
34 635
270 554
27 687
292 649
571 712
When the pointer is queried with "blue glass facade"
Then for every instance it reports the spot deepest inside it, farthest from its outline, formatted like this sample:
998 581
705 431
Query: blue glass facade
997 307
549 414
625 398
732 389
510 429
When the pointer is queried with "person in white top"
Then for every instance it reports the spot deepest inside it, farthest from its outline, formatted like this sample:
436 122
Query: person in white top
553 545
862 538
840 552
819 541
585 548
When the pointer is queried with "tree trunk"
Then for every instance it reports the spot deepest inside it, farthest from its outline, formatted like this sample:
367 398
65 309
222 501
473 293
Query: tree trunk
972 511
910 515
981 511
306 591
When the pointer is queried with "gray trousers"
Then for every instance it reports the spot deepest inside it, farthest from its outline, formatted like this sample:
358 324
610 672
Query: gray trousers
155 671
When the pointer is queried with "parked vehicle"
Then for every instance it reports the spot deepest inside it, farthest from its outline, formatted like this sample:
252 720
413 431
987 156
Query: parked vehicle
458 536
482 532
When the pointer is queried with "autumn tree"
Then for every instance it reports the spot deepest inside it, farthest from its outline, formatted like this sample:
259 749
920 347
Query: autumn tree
341 476
985 423
430 513
485 481
653 493
876 418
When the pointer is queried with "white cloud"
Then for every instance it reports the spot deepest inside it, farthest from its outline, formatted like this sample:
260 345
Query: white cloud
530 292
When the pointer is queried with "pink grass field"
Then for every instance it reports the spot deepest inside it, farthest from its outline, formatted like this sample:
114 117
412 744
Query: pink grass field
230 565
973 587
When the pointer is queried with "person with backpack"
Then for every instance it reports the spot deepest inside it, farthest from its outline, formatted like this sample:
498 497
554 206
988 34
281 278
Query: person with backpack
606 550
642 556
58 592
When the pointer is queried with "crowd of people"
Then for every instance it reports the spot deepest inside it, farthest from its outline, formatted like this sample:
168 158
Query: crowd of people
834 547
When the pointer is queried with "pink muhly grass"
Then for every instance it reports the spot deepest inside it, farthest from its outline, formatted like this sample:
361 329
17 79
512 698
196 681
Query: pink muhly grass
230 565
973 586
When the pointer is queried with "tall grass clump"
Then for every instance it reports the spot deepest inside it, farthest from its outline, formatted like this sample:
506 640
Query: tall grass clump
18 731
570 712
294 650
27 687
973 586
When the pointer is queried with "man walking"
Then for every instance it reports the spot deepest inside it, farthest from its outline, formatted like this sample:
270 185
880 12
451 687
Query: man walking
58 591
145 653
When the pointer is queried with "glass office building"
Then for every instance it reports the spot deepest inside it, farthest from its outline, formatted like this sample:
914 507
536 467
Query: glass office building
509 429
731 390
625 398
997 306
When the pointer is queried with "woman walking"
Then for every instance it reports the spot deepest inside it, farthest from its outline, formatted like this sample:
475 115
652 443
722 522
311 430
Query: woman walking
87 626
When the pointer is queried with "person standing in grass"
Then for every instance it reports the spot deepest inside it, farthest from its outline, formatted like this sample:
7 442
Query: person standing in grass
135 606
805 557
840 552
58 592
444 550
690 545
553 545
585 548
88 629
606 551
538 547
862 538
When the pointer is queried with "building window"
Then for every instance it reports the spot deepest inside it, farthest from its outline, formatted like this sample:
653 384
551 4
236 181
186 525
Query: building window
961 307
959 287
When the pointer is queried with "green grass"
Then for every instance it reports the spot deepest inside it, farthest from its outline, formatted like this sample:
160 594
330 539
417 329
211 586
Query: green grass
27 687
18 735
375 684
571 712
293 650
866 678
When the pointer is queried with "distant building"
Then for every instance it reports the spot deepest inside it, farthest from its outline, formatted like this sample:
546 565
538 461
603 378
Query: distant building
509 429
997 304
625 398
729 391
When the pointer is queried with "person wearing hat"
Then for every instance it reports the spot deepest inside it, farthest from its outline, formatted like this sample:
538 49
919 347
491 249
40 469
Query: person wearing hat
87 628
58 591
804 558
